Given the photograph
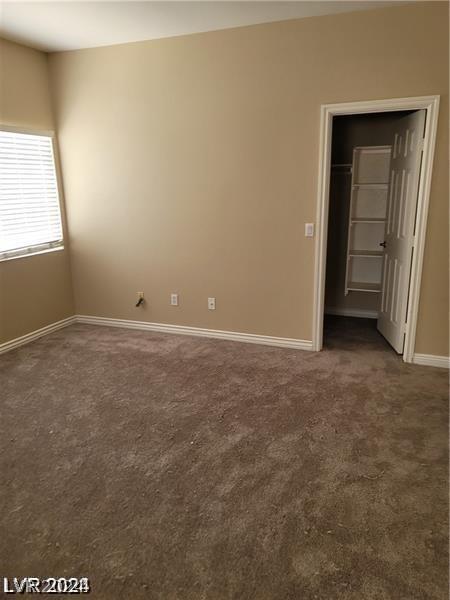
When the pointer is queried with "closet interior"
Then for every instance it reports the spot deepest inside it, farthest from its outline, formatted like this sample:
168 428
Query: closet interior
359 186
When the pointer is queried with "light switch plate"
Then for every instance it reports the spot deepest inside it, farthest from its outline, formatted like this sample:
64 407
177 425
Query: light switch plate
309 229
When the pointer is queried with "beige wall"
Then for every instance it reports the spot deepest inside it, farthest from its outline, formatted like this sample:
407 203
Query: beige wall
34 291
191 163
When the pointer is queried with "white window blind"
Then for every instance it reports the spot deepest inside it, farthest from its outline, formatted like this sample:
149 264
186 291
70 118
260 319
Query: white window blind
30 217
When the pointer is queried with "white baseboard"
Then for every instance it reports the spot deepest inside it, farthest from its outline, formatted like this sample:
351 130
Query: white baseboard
34 335
267 340
234 336
430 360
352 312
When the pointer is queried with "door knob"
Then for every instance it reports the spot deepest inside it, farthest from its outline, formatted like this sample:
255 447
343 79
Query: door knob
383 244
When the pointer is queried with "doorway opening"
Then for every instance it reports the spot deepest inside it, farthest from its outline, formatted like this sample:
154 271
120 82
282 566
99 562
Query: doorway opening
375 173
373 197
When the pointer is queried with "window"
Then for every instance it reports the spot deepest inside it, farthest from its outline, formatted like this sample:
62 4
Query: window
30 217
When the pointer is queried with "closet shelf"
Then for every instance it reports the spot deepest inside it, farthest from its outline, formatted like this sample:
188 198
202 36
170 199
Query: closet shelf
342 169
360 286
371 186
366 253
368 205
367 220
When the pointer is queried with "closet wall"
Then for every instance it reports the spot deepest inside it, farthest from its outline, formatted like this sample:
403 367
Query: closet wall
348 132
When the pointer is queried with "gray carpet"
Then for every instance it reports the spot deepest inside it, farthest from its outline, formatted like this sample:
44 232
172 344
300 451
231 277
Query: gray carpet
177 468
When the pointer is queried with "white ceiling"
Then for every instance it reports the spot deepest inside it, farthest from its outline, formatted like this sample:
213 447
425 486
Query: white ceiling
59 25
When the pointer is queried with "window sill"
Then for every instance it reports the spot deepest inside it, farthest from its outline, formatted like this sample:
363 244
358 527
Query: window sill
28 254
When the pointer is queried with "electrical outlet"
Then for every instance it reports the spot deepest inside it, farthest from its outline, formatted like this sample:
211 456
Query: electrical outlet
174 299
211 303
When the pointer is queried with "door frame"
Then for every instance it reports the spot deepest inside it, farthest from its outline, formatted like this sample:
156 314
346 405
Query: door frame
327 112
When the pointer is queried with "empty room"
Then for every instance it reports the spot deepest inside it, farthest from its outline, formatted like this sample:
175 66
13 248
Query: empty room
224 300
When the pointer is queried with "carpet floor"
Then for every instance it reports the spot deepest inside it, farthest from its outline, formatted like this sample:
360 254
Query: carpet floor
178 468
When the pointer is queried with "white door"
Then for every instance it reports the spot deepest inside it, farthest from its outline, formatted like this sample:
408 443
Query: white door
399 237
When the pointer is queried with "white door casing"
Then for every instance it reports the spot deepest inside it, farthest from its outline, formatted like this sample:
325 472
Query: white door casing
402 203
431 105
